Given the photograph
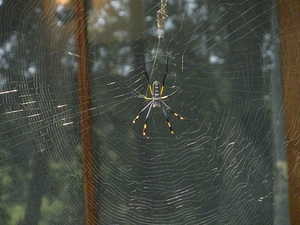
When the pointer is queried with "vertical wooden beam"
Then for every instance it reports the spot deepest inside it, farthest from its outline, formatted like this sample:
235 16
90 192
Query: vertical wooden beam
289 24
85 116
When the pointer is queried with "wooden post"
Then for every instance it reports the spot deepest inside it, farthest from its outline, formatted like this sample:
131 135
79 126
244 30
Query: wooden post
85 115
289 24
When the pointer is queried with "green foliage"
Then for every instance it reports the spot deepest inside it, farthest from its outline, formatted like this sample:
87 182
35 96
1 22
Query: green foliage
4 215
16 213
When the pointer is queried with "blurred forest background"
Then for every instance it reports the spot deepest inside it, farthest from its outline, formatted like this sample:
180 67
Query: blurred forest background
219 168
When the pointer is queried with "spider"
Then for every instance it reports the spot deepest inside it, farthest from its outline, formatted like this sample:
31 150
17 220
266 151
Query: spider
157 101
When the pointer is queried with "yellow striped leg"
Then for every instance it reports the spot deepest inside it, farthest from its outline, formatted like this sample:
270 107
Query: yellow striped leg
168 122
146 119
174 113
138 116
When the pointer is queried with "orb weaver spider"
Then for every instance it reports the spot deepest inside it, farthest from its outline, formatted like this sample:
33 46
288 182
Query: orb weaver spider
157 101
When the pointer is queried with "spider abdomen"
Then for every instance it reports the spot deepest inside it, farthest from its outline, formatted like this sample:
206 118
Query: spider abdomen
156 104
157 101
156 90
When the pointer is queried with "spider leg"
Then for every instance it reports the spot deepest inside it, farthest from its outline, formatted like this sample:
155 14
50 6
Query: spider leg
138 116
139 95
165 76
166 116
146 118
169 95
174 113
143 96
166 73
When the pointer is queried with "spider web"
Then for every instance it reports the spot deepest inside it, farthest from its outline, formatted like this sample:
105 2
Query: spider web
220 167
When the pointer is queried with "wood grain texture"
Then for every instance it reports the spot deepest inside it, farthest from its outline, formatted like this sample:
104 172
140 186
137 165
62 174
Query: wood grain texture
289 24
85 115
